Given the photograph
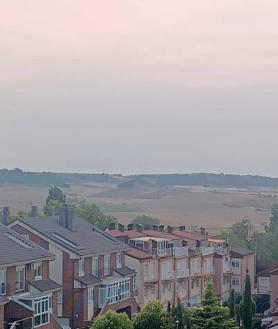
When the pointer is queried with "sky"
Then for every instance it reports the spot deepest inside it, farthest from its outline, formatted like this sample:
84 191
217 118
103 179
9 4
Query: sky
139 86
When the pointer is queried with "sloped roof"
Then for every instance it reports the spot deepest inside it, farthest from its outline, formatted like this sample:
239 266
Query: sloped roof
138 254
84 240
124 271
16 249
191 236
88 280
266 272
45 285
240 252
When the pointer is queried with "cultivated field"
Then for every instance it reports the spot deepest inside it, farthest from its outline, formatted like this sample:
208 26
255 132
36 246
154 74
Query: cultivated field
214 208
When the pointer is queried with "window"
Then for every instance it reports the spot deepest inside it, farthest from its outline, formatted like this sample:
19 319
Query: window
119 260
134 286
235 282
2 282
81 267
20 278
95 266
118 291
107 269
90 295
42 310
235 263
37 270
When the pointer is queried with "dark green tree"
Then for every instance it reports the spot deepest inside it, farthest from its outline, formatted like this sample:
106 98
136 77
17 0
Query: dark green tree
94 215
211 315
246 306
231 303
150 317
145 220
181 316
273 226
113 320
54 202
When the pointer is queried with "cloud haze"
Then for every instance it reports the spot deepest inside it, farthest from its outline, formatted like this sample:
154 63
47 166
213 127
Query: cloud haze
139 86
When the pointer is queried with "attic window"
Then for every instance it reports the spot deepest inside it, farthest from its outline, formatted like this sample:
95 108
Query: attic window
19 240
64 240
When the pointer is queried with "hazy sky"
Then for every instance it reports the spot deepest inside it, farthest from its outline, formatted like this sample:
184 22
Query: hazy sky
137 86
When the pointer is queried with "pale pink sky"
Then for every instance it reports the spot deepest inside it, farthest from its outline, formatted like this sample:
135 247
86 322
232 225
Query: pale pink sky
139 85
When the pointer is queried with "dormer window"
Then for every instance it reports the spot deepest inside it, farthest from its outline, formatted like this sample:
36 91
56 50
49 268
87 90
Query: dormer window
119 260
81 267
37 270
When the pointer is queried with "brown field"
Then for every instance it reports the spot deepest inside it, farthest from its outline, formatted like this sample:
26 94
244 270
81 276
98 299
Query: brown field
214 208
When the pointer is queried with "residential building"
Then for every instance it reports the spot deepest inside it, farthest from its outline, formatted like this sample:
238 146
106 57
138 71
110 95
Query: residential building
89 265
263 280
242 261
161 261
28 298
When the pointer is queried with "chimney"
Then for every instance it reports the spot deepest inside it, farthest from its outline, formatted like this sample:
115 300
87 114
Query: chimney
182 228
147 227
139 227
34 211
6 215
112 226
155 227
63 216
170 229
130 227
121 227
161 228
70 220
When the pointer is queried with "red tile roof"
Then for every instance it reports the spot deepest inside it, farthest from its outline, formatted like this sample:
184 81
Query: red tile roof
138 254
128 234
190 236
159 234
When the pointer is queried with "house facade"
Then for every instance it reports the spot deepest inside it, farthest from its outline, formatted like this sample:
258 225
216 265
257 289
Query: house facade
89 265
28 297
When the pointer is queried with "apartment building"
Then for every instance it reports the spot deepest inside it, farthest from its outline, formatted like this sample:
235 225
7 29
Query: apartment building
28 298
242 260
264 278
89 265
161 261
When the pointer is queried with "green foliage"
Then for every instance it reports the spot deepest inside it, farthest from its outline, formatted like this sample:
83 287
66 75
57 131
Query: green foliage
18 215
273 226
231 303
181 316
246 305
145 220
56 194
113 320
262 303
240 234
54 202
211 315
150 317
94 215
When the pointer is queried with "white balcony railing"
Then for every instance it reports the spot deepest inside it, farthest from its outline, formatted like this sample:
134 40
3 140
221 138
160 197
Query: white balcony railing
180 251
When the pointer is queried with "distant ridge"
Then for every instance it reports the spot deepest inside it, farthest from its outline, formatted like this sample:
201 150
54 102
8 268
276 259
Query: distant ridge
18 176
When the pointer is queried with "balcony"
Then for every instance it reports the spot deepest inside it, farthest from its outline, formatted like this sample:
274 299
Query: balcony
208 270
207 251
167 275
182 273
113 291
150 277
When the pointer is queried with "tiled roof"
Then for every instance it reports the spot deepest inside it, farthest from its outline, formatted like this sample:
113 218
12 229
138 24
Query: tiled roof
267 271
88 280
240 252
138 254
86 239
191 236
45 285
16 249
133 234
124 271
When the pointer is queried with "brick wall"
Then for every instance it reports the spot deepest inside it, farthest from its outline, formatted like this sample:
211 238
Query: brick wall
1 316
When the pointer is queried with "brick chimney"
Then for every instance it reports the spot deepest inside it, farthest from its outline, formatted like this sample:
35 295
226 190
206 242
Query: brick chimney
112 226
6 215
70 223
139 227
130 227
121 227
63 216
155 227
182 228
161 228
34 211
170 229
